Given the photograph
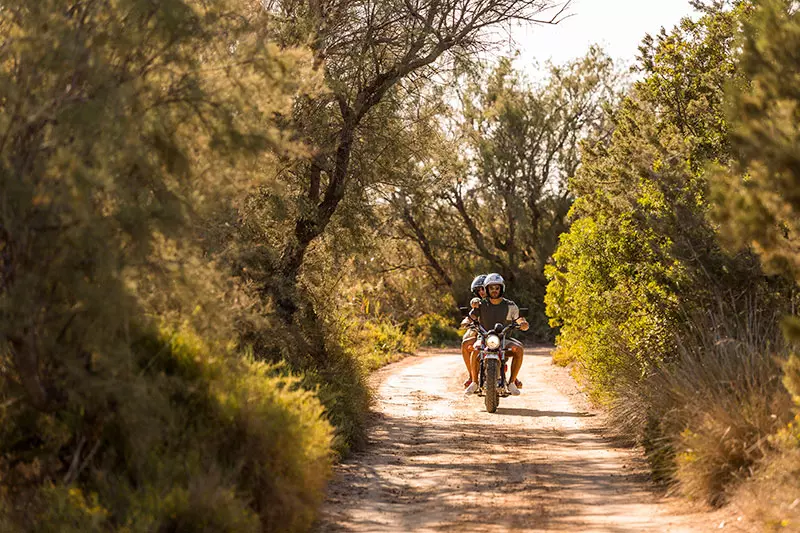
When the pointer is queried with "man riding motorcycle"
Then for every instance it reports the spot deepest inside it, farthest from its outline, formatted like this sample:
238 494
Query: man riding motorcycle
468 340
493 310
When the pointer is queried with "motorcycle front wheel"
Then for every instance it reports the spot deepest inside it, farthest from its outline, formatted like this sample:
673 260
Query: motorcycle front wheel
491 396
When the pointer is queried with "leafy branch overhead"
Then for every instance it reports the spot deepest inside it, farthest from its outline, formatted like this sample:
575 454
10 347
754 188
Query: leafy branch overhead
368 50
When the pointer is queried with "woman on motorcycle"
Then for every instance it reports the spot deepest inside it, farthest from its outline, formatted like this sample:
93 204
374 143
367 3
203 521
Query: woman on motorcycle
478 291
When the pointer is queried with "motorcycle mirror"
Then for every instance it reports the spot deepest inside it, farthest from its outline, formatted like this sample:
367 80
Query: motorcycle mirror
523 311
498 327
464 310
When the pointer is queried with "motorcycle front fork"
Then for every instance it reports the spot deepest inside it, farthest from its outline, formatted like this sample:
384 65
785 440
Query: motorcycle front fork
482 373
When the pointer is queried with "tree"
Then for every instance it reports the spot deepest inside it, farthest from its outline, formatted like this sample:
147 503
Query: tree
757 199
642 251
494 196
126 127
166 93
371 52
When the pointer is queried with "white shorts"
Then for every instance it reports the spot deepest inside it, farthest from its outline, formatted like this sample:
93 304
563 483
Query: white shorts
513 342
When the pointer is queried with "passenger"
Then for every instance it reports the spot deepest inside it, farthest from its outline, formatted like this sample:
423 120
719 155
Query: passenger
468 340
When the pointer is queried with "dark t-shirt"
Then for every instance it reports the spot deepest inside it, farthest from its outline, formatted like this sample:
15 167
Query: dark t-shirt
490 314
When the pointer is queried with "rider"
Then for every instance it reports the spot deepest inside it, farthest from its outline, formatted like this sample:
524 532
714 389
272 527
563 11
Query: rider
469 337
496 309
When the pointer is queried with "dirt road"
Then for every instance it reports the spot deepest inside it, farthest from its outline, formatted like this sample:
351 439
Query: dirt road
438 462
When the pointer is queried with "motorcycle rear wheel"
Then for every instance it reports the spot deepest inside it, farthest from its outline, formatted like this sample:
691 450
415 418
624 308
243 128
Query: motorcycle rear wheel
491 396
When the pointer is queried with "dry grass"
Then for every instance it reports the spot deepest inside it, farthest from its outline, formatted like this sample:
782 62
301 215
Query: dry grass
704 418
772 496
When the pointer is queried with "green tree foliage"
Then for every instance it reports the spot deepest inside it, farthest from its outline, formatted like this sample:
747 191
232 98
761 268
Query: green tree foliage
757 201
494 196
760 204
126 126
642 288
642 249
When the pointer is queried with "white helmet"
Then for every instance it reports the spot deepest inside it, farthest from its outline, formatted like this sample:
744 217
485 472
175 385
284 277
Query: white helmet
477 283
495 279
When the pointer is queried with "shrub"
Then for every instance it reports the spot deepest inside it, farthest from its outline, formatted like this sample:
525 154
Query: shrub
562 356
379 342
772 496
705 416
434 330
341 385
192 437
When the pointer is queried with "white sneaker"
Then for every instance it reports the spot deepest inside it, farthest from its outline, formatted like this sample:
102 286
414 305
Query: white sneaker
471 389
512 388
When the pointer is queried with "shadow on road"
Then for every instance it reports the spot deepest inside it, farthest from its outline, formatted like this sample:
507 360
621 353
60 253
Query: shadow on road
536 412
439 468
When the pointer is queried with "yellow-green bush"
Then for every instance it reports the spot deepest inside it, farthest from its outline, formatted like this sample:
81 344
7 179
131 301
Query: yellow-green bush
192 437
433 329
378 342
562 356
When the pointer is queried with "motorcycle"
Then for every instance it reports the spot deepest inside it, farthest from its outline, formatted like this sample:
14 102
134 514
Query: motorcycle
492 379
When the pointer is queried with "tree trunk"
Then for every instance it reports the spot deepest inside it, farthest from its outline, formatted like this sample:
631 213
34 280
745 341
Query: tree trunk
427 251
26 363
309 227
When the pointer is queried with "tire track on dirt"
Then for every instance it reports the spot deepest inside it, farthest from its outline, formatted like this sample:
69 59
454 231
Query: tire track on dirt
438 462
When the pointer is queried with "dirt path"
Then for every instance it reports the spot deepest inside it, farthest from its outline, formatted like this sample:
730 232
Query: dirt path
438 462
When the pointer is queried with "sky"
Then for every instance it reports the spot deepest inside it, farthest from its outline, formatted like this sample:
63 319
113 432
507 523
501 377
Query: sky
617 25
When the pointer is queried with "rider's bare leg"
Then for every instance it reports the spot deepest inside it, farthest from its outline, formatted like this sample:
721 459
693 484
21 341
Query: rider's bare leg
466 354
475 366
516 364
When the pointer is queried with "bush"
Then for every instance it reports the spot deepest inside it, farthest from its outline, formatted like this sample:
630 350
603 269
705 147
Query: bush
341 385
772 496
192 437
611 295
379 342
705 417
434 330
562 356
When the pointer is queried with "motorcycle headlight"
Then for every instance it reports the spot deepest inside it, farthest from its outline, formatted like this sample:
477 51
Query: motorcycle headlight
492 342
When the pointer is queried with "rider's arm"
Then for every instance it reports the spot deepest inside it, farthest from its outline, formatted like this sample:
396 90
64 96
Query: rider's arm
513 313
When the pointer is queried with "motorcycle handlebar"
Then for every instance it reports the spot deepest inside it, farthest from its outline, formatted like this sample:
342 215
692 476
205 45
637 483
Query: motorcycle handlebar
477 325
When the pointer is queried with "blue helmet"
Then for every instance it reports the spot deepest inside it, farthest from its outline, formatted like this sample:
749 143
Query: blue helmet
477 283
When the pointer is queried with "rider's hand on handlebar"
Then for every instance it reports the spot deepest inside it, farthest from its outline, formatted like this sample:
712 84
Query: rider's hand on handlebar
522 323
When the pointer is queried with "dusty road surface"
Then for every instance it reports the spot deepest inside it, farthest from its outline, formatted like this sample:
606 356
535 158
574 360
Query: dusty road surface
437 461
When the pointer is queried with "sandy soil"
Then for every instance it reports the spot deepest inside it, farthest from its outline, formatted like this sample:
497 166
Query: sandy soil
437 461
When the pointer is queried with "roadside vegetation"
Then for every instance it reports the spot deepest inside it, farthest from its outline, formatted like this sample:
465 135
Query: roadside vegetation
675 289
195 273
